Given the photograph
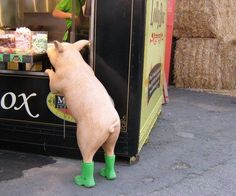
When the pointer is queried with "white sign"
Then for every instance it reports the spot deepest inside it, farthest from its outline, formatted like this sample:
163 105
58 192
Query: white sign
14 98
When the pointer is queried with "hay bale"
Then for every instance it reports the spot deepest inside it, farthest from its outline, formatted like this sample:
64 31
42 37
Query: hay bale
206 19
228 65
204 63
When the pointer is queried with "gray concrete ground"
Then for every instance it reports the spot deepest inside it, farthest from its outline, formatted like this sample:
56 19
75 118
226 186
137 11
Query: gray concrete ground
191 151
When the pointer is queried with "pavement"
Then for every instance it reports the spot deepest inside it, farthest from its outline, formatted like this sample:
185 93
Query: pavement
191 151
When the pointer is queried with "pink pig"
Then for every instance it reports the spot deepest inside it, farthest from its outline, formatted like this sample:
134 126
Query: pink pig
98 123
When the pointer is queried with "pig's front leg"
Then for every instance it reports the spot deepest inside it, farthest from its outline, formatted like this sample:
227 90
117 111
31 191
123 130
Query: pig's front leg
53 82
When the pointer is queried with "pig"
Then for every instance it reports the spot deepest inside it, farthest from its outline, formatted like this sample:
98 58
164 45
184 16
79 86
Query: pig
98 122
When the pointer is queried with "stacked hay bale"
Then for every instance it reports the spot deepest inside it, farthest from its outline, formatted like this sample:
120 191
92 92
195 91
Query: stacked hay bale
205 55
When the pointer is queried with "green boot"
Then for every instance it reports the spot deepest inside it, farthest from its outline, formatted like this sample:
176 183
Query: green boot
86 179
109 170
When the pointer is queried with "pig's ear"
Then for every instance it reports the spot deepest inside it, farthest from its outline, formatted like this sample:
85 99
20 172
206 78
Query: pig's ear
58 46
79 45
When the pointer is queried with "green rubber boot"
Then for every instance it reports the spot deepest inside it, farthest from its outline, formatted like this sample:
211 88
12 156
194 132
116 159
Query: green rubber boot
109 170
86 178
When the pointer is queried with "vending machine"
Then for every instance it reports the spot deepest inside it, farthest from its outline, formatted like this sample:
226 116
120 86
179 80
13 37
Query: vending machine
127 54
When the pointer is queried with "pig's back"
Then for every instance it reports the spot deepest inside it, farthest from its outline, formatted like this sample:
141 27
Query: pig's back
90 102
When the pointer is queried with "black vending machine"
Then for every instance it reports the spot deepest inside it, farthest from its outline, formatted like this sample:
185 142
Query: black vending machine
127 55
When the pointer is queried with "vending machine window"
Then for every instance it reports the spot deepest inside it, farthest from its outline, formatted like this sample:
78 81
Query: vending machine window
127 55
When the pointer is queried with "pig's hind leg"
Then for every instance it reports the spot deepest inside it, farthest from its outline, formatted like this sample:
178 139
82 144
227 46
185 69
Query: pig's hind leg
110 143
88 144
109 146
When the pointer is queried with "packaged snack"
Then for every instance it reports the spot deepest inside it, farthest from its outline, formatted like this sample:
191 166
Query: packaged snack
23 38
39 41
7 39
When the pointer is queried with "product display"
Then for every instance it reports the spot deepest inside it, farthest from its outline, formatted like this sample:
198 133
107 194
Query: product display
23 41
23 49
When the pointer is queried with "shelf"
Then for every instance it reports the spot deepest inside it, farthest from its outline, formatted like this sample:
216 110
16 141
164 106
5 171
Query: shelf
22 58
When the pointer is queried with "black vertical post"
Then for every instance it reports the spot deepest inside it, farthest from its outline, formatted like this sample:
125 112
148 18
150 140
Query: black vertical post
137 51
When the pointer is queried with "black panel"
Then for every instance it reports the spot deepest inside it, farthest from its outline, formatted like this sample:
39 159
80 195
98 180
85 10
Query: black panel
119 60
112 37
45 134
23 97
136 75
46 139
